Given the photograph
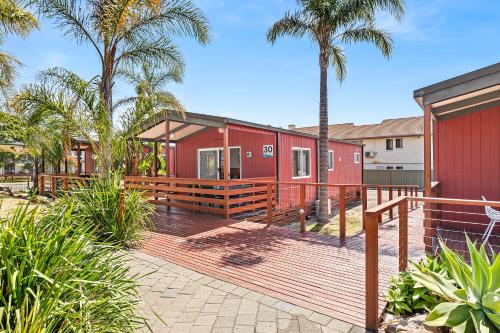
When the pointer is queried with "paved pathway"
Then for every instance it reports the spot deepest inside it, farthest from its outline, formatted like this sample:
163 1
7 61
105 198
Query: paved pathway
188 301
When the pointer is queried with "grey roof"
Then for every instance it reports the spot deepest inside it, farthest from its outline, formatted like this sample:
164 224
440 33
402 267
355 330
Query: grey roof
412 126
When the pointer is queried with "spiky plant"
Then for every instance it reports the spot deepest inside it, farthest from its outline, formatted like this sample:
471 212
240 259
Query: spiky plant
54 277
331 24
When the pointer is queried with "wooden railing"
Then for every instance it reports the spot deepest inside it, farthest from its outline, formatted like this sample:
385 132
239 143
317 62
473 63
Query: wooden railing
222 197
372 216
54 183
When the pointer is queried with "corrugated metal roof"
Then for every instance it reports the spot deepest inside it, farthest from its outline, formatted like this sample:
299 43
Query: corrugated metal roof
413 126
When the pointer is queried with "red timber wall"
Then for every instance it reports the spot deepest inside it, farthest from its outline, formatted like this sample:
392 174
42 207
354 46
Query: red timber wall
289 194
248 138
89 161
345 171
467 160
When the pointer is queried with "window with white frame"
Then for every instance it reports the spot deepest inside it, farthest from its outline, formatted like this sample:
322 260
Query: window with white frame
301 162
399 143
389 168
330 160
389 144
356 157
399 167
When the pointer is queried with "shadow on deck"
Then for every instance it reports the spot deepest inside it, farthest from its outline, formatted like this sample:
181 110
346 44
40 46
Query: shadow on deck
314 271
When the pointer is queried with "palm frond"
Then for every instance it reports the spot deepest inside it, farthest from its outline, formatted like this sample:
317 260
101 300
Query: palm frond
15 20
292 24
369 33
339 62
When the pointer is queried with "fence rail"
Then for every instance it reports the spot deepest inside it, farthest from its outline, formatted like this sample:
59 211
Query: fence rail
55 183
433 230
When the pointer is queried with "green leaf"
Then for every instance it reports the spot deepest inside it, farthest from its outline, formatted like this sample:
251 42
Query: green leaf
448 314
495 275
437 283
491 301
481 323
494 318
481 274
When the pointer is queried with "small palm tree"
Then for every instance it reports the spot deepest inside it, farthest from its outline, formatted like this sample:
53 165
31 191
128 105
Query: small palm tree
126 34
151 100
331 24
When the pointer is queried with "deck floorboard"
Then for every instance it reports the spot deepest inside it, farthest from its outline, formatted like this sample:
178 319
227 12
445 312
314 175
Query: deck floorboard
314 271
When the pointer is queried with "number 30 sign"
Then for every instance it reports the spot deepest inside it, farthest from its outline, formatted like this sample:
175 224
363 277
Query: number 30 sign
268 150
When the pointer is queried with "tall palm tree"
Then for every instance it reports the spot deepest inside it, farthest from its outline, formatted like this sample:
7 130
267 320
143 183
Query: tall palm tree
331 24
151 100
125 34
15 20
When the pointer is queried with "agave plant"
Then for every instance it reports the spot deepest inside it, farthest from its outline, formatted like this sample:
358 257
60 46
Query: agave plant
472 295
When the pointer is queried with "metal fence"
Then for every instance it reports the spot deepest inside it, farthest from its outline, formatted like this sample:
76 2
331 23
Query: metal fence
394 177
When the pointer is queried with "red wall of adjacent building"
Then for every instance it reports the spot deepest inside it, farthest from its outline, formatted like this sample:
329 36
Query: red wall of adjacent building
248 138
467 157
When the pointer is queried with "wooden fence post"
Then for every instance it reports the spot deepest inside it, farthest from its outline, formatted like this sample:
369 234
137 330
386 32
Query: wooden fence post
269 204
122 205
41 185
302 197
65 184
53 187
342 212
391 211
403 235
371 274
411 194
379 201
364 204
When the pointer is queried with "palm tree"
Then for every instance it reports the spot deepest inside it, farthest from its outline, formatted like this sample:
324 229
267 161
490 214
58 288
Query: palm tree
331 24
125 34
151 100
16 20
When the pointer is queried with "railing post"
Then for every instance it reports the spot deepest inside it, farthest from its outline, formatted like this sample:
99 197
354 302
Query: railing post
399 191
269 204
122 205
302 207
371 274
41 185
53 187
364 204
342 212
379 201
411 194
391 211
403 235
65 184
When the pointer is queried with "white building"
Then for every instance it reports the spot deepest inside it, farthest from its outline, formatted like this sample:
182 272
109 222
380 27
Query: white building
394 144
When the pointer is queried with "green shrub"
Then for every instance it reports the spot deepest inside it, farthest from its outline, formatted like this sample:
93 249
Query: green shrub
406 296
472 295
55 278
98 204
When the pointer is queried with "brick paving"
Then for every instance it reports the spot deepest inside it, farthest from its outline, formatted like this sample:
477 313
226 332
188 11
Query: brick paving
177 300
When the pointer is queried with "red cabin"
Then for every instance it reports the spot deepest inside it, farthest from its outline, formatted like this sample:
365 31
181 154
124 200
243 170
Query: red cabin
462 145
253 151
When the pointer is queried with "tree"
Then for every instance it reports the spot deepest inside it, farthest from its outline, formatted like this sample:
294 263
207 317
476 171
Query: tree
151 100
331 24
125 34
15 20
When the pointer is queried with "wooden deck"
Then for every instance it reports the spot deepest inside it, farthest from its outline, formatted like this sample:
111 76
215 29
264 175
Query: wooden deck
310 270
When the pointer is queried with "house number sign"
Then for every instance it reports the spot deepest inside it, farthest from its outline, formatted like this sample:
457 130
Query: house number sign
268 150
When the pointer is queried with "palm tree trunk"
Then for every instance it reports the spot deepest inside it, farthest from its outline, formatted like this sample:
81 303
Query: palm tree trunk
36 173
323 142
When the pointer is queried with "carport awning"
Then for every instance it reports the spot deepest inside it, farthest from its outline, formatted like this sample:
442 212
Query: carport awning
179 127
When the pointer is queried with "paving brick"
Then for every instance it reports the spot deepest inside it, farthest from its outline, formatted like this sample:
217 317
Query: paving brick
246 319
205 320
244 329
224 321
320 318
266 327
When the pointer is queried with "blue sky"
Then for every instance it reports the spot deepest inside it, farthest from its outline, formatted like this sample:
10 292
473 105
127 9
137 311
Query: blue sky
240 75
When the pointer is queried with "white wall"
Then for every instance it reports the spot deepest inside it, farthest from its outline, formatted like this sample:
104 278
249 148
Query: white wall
410 157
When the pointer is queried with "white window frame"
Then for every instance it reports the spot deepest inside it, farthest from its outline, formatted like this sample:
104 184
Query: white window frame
332 159
218 152
301 149
356 159
395 144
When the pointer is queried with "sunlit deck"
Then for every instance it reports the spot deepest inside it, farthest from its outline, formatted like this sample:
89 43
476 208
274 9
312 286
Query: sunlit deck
310 270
